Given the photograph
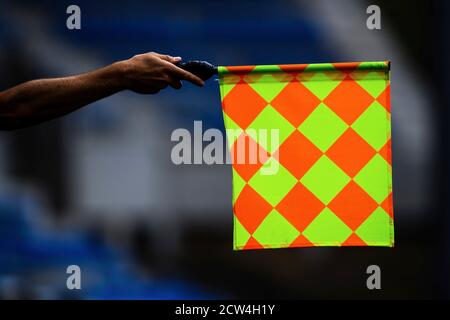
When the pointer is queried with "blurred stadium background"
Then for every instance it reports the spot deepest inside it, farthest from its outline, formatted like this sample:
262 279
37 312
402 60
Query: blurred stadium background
97 188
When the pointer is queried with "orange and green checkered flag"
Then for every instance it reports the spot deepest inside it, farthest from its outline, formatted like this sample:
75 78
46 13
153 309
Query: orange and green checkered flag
311 154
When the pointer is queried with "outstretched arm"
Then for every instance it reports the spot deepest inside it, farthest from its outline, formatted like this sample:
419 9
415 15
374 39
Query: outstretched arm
37 101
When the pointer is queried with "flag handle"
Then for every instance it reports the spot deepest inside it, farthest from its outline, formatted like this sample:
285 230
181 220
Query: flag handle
202 69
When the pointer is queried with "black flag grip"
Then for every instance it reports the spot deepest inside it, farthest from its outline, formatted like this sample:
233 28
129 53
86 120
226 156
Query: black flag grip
202 69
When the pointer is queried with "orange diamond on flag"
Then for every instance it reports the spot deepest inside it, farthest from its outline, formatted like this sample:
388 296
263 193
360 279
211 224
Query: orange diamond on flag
352 205
247 156
252 244
240 70
348 100
301 241
242 104
353 240
297 154
295 103
345 67
251 209
293 69
350 152
300 207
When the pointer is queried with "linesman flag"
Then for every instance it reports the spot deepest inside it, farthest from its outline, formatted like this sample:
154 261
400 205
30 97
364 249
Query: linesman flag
311 154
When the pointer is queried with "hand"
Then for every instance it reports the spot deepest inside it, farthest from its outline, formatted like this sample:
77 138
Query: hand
152 72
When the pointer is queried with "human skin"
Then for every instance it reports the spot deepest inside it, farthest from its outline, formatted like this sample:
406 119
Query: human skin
37 101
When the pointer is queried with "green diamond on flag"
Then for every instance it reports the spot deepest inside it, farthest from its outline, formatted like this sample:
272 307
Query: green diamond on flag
336 230
265 84
371 85
377 228
273 186
369 178
270 129
323 127
320 83
325 179
374 126
241 235
303 169
275 231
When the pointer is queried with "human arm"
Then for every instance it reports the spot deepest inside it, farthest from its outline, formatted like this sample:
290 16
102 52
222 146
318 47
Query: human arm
41 100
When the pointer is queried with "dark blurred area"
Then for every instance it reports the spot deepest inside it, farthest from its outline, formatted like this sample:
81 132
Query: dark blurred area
98 188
